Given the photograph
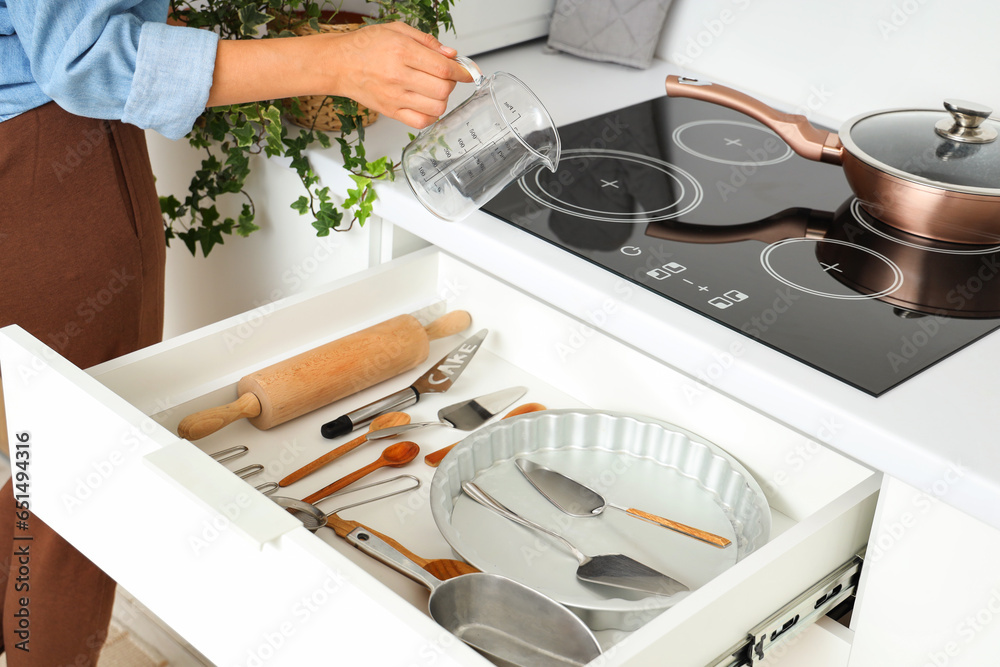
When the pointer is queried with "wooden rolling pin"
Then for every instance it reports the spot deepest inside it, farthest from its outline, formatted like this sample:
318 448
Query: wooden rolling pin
320 376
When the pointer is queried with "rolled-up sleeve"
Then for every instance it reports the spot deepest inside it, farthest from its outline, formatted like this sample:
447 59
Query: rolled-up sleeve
117 59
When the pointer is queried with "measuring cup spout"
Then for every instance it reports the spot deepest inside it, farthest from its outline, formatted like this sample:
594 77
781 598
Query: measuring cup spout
551 162
473 69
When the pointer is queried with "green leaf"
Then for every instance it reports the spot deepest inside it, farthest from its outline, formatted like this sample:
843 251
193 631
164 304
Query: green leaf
244 135
327 219
170 206
271 114
190 238
301 205
245 225
251 19
378 168
362 181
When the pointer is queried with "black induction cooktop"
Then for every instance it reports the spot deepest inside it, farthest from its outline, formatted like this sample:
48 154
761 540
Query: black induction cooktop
713 211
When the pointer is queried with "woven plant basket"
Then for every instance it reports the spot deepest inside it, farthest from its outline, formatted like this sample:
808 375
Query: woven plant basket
317 110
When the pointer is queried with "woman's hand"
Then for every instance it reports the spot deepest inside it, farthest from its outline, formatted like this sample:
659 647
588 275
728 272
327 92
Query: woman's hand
398 71
391 68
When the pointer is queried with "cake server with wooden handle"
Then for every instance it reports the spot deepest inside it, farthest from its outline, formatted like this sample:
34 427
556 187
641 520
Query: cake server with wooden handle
320 376
578 500
438 379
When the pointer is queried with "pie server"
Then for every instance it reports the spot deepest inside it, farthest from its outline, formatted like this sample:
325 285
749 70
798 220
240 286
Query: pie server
578 500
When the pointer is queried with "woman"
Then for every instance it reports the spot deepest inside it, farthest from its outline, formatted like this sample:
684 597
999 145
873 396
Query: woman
81 237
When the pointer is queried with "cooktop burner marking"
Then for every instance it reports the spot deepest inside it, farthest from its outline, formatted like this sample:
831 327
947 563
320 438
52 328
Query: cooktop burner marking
690 193
605 184
676 136
859 215
765 260
831 267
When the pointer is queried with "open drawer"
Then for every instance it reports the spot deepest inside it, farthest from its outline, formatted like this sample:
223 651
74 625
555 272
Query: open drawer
246 584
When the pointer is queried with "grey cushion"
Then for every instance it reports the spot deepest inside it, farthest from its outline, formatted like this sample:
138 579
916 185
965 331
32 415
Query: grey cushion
618 31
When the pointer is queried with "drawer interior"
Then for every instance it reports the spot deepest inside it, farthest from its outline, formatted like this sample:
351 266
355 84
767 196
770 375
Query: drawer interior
821 502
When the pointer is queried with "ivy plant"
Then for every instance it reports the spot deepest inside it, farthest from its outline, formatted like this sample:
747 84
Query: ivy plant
228 136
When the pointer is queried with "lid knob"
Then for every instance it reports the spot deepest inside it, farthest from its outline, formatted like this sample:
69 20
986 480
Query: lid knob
966 123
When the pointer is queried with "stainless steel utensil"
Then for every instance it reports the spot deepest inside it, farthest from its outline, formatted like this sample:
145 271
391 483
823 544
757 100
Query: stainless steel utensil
439 378
579 500
507 621
464 415
615 570
313 518
230 454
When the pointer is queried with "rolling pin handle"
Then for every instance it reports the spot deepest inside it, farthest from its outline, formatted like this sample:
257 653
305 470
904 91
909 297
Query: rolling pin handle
207 422
343 425
450 324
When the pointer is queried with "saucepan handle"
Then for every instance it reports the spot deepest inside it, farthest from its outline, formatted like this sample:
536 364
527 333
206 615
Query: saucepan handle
810 142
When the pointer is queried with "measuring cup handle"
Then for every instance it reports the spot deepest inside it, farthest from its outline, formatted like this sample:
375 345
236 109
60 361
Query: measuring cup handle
473 69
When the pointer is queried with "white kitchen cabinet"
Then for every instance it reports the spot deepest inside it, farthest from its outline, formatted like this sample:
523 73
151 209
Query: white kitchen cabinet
245 584
951 618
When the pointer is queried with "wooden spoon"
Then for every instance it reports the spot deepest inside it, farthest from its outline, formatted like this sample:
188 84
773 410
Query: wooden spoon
434 458
395 455
382 421
442 568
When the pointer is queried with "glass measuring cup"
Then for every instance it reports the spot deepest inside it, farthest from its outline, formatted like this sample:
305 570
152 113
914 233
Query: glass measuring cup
460 162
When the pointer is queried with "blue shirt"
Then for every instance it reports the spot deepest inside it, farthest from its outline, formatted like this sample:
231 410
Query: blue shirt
113 59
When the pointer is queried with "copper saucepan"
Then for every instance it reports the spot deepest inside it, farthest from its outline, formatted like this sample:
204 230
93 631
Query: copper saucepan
927 172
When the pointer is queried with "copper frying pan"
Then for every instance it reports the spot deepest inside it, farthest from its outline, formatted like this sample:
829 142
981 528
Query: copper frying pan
921 171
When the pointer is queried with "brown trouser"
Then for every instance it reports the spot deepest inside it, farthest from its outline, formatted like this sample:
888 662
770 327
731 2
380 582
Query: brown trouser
81 268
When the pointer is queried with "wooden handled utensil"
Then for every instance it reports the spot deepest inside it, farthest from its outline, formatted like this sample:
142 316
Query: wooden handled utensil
395 455
320 376
579 500
442 568
382 421
616 570
434 458
313 518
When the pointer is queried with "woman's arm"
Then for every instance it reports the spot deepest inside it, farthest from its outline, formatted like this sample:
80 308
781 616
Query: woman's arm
392 68
117 59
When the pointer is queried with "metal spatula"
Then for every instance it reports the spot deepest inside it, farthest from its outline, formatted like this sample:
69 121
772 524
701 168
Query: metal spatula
615 570
464 415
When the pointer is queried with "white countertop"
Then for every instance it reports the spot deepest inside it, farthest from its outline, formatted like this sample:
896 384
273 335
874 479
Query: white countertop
934 431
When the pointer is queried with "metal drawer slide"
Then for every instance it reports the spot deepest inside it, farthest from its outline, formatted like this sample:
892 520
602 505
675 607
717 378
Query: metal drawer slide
798 614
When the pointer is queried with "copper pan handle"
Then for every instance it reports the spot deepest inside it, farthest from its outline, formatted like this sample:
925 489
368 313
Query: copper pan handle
810 142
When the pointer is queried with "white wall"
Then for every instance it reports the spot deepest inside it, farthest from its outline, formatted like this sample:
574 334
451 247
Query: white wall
283 258
837 58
